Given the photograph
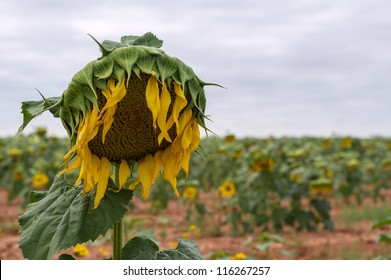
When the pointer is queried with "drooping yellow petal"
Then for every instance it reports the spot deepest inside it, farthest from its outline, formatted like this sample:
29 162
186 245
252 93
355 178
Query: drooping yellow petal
146 170
152 97
158 163
115 93
170 168
196 138
108 120
165 101
180 102
185 161
105 167
187 136
184 120
124 173
75 164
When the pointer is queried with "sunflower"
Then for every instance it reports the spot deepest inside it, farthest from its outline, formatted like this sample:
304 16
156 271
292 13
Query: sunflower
135 108
81 250
190 193
40 180
238 256
227 189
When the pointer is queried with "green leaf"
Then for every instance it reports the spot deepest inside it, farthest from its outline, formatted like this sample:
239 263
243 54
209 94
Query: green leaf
144 249
186 250
384 238
148 40
139 248
73 97
104 67
145 63
85 77
322 207
35 196
66 257
126 58
167 66
382 223
65 217
32 109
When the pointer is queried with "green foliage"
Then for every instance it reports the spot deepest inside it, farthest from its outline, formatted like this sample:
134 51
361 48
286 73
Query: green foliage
144 249
63 217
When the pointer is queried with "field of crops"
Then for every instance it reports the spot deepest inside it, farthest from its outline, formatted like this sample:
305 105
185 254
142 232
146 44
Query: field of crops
295 198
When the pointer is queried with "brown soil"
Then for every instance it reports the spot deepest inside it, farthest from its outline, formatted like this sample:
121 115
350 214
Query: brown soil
355 241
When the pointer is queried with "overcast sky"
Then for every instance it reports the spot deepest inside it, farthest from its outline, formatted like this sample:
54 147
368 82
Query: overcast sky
303 67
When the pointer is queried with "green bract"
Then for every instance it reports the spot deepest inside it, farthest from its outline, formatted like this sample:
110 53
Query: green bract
134 54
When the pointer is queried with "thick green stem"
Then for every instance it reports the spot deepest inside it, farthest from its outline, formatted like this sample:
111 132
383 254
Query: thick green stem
118 231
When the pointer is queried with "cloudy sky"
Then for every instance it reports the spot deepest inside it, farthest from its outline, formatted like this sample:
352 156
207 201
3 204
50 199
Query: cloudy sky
303 67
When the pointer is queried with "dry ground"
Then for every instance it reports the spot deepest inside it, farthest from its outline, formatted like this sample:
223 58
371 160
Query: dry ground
348 241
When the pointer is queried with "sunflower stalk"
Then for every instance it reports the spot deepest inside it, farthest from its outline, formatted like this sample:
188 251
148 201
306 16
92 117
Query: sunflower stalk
118 230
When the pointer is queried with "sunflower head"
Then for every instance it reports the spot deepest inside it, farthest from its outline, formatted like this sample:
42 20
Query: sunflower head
133 106
40 180
227 189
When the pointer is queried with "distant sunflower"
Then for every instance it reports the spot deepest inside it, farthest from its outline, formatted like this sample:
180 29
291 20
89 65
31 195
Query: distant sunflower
190 193
40 180
134 106
227 189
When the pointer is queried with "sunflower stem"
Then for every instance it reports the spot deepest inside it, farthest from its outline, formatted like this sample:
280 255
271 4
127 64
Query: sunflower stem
118 231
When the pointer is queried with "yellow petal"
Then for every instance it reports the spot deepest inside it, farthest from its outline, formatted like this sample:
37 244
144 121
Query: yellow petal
146 170
165 101
103 181
170 168
187 136
184 120
108 120
115 95
152 97
158 163
180 102
124 173
185 161
196 138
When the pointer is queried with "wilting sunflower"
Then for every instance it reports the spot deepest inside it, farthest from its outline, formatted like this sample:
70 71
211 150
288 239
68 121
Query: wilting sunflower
135 106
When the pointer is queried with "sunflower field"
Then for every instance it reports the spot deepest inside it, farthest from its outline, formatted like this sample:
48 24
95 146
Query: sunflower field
236 187
134 150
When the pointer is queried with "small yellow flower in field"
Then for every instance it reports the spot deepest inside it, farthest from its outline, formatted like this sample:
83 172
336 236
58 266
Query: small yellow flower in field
17 176
40 180
190 193
185 235
81 250
104 251
14 153
174 244
347 143
192 227
238 256
227 189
